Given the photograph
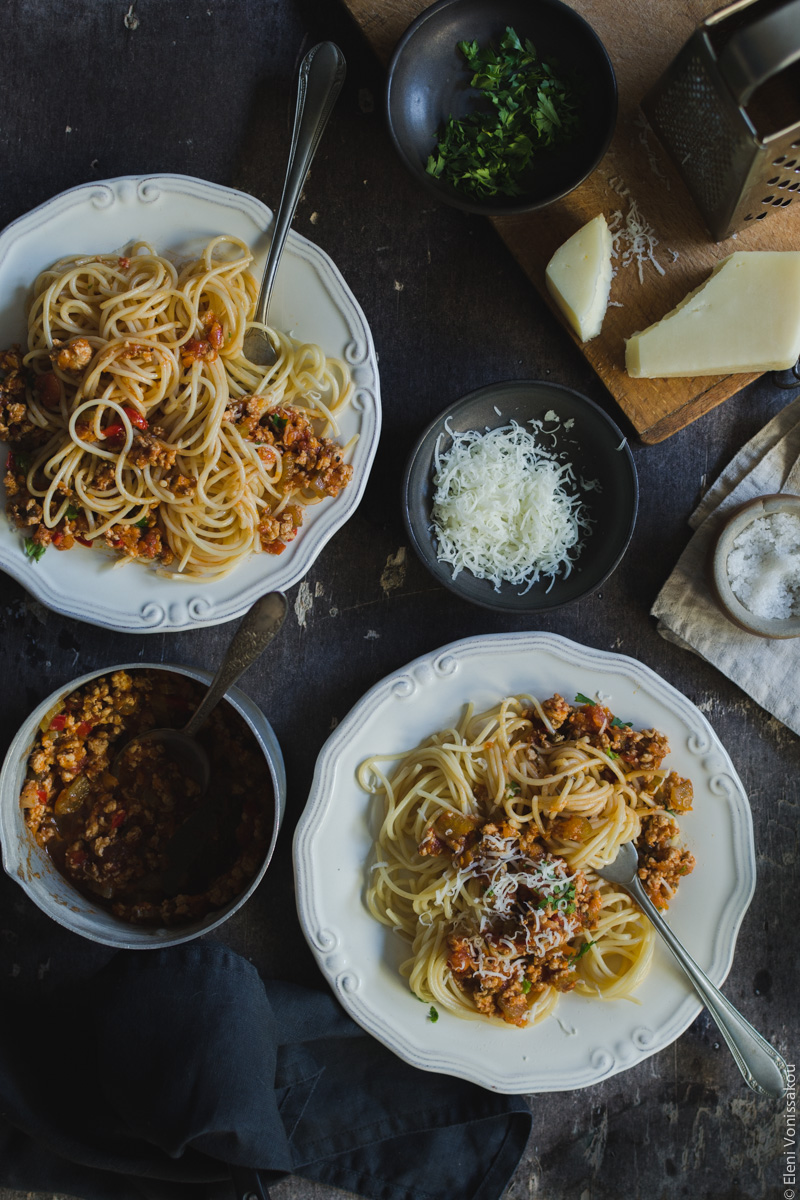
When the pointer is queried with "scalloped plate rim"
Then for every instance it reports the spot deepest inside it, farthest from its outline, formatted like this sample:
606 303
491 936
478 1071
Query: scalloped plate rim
405 1044
153 615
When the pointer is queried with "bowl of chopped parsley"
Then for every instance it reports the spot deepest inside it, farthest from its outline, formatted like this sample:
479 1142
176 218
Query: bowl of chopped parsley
503 107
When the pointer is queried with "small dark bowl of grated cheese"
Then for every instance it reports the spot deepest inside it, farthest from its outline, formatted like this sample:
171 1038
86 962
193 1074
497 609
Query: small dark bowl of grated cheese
500 106
521 497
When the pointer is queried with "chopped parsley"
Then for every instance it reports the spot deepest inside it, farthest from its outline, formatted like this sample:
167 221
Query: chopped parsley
34 550
513 788
583 950
565 891
278 422
529 108
581 699
612 754
72 512
433 1015
23 461
617 724
143 524
526 986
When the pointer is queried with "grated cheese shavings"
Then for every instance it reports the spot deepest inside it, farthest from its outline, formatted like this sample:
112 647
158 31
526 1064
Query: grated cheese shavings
501 508
633 238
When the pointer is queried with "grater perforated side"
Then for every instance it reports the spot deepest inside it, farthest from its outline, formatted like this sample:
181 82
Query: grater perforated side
734 176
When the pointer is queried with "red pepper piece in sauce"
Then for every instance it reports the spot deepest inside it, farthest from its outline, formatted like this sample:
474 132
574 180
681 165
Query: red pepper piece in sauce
118 818
84 729
83 541
135 417
41 795
117 431
59 721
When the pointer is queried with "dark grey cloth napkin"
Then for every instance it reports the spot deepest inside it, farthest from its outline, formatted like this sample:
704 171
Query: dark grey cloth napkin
145 1074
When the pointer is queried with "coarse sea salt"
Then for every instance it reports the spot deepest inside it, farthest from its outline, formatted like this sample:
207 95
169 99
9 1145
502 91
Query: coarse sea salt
764 566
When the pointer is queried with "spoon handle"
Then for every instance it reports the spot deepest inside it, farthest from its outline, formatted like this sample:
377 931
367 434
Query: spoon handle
762 1067
256 631
322 73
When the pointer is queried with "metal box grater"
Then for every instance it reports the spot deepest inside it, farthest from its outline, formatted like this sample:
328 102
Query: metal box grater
727 110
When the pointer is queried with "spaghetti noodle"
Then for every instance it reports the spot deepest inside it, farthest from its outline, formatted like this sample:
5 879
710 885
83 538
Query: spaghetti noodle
486 855
136 422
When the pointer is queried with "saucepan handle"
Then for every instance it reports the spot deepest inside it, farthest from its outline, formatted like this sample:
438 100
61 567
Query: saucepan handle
755 54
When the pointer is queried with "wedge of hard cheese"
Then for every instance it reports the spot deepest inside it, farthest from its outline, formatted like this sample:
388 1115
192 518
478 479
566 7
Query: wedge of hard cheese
745 317
579 277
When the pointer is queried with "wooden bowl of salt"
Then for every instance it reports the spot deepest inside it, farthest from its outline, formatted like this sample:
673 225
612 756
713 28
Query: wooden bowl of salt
755 566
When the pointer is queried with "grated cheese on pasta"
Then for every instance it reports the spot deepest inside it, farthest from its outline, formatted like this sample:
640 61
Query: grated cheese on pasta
501 508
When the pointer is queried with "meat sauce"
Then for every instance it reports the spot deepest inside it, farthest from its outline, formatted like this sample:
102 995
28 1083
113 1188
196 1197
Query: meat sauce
112 825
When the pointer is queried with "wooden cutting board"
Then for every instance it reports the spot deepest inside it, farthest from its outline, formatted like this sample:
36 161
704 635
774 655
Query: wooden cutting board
642 37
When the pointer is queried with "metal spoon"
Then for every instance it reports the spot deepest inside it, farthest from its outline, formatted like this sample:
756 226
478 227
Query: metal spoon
762 1067
256 631
322 73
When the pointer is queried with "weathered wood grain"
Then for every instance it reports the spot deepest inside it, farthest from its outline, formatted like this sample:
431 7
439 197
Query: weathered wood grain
682 1123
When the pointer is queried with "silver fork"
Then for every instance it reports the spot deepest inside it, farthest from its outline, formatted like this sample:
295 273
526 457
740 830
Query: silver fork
762 1067
322 73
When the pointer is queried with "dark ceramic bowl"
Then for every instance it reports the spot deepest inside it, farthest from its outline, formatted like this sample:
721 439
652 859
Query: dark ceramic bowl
429 81
595 446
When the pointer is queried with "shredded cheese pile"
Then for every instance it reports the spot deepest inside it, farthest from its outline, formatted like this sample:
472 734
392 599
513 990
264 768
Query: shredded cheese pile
501 510
529 929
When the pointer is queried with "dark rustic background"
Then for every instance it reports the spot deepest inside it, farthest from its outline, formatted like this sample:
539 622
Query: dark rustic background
91 89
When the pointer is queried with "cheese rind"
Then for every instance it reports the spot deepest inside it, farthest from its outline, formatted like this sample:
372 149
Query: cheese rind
744 318
579 277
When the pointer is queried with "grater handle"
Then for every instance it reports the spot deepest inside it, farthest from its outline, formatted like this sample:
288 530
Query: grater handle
766 47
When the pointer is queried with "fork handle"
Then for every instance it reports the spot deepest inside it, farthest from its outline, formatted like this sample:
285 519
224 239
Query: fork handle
322 73
762 1067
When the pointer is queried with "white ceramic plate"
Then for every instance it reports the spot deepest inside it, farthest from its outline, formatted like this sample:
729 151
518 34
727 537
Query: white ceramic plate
178 215
588 1040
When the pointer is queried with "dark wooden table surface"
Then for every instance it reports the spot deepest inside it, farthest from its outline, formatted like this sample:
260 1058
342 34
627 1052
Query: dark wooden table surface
91 91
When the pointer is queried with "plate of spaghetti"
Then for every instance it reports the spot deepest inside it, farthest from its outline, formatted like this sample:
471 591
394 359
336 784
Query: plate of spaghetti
446 860
183 480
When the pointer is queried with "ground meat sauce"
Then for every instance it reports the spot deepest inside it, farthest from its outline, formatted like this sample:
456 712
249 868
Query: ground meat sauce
522 944
312 467
113 835
662 861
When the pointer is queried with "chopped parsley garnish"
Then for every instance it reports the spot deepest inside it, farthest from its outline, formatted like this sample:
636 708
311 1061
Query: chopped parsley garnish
583 950
581 699
23 461
278 422
143 524
566 891
433 1015
612 754
513 788
34 550
617 724
526 986
490 893
530 108
72 512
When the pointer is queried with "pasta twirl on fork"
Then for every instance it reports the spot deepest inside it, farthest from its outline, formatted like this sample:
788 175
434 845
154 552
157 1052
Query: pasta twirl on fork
485 858
137 424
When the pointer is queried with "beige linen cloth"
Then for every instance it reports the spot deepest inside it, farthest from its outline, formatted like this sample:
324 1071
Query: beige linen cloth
767 669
